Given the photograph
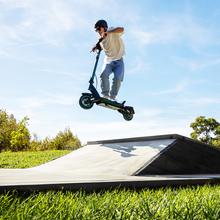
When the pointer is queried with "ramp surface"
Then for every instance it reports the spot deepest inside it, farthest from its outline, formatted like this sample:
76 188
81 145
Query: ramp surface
130 162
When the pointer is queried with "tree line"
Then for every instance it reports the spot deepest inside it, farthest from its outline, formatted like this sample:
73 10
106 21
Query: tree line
15 136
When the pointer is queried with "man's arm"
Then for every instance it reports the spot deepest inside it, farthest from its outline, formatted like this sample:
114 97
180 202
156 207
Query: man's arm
116 30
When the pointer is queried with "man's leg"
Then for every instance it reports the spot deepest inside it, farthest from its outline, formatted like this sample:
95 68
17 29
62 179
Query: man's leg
116 84
118 71
105 87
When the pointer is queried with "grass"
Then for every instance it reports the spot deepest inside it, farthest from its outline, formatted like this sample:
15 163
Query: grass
28 158
184 203
156 204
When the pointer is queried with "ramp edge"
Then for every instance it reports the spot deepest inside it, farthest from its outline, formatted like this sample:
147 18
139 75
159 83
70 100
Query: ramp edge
138 139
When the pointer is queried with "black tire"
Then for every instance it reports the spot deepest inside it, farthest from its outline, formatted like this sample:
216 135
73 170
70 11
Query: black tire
128 116
85 101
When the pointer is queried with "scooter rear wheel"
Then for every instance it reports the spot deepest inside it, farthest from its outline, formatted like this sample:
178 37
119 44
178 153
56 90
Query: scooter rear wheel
127 112
85 101
128 116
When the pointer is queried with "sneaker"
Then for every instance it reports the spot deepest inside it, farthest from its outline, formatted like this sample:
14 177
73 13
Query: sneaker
113 98
105 97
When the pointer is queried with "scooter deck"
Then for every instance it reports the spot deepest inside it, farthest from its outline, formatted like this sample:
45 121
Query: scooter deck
109 103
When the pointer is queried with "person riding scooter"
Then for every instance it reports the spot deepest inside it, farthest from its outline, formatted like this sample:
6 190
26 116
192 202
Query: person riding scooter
113 46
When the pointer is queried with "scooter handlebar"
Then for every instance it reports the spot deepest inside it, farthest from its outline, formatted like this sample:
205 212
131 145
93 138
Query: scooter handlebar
97 46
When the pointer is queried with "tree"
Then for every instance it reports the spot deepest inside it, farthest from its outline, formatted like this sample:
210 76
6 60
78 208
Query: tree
13 135
20 138
8 124
206 130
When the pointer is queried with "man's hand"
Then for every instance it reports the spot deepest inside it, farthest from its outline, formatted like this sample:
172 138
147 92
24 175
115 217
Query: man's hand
93 49
96 47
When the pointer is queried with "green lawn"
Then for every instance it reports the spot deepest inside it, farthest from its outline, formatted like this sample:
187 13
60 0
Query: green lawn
28 158
164 203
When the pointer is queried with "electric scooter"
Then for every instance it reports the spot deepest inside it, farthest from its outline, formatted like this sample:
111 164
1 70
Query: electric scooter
87 100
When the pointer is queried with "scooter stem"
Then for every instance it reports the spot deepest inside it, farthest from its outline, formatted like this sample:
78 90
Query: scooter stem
91 81
97 47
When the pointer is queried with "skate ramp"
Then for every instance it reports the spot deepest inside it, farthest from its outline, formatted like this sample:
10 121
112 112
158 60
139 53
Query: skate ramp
104 160
107 159
183 156
129 162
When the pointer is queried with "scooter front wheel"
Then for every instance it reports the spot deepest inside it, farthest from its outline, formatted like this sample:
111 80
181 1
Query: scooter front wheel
85 101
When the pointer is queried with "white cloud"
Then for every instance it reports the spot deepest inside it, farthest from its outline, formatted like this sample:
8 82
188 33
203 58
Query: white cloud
161 33
32 105
180 87
49 21
173 90
145 127
41 21
175 28
137 66
71 75
202 101
198 64
45 100
52 24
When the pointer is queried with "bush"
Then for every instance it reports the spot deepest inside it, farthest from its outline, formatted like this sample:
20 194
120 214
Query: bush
14 135
66 141
63 141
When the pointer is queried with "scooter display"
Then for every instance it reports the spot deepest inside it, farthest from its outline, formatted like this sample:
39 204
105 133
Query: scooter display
87 100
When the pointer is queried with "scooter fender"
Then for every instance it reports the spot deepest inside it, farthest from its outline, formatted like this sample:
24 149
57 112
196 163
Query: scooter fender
86 93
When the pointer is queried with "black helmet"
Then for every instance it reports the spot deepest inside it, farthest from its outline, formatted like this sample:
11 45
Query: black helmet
101 23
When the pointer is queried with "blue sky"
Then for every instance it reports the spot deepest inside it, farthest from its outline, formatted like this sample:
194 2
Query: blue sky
171 75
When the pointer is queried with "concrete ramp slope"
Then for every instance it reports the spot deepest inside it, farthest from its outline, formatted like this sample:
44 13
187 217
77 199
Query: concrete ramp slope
113 158
98 161
122 158
184 156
